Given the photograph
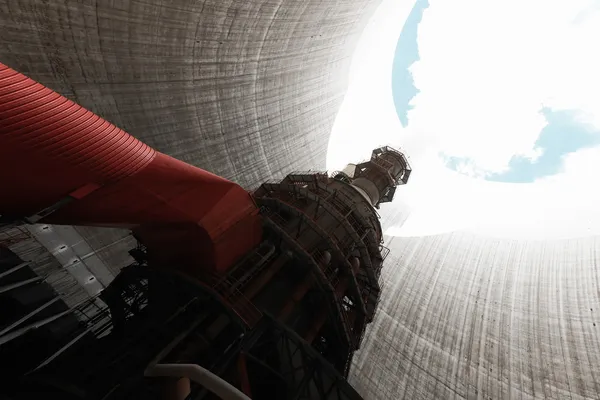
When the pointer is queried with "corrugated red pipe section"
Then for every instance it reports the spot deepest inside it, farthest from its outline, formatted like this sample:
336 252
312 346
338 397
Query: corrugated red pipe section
52 148
47 141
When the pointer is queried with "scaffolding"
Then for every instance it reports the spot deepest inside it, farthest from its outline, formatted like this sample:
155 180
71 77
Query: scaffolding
317 267
305 206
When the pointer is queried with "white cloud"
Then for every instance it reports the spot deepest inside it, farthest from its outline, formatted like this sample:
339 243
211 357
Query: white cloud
367 117
486 70
534 154
469 168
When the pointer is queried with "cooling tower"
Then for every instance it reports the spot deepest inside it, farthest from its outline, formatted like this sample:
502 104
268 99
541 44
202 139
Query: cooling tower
464 316
249 90
246 90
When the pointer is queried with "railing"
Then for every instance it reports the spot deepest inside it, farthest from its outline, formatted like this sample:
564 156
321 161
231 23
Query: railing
227 289
344 246
331 271
316 254
385 164
252 265
360 229
348 326
96 316
340 212
95 319
384 252
308 176
344 207
339 199
341 176
406 168
397 153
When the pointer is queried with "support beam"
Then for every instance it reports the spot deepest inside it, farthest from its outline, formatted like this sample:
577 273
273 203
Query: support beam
12 286
27 316
14 269
64 348
20 332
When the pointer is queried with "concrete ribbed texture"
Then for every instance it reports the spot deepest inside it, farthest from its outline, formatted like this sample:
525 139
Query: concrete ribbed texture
249 90
469 317
246 89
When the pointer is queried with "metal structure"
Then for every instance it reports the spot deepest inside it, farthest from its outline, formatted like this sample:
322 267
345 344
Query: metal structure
378 177
284 279
101 347
152 317
249 90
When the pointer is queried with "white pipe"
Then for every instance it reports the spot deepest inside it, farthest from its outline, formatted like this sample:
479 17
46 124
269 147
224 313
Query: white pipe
202 376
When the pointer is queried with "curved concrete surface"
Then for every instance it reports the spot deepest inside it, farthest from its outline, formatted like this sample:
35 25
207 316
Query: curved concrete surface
468 317
249 90
245 89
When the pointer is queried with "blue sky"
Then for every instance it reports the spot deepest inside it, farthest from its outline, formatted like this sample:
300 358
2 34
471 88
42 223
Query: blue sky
482 97
407 52
562 135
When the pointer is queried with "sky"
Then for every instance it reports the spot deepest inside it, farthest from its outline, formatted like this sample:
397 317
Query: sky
407 53
497 104
562 136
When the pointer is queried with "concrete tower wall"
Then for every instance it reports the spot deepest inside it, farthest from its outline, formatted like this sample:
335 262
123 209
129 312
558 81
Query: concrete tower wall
463 316
245 89
248 90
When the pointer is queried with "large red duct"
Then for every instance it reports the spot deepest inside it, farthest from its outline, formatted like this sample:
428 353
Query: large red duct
54 153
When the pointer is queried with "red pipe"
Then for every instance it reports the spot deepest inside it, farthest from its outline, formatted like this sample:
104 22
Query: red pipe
243 372
52 149
256 285
316 326
301 290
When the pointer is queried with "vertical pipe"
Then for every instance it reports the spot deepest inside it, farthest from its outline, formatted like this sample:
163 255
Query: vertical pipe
295 298
257 284
315 328
176 389
243 371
